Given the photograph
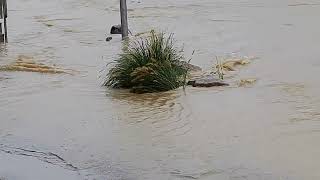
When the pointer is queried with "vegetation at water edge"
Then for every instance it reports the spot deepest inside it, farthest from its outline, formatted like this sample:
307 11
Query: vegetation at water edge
150 64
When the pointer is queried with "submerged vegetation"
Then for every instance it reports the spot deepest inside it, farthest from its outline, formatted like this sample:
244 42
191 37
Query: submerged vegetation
221 68
27 64
151 64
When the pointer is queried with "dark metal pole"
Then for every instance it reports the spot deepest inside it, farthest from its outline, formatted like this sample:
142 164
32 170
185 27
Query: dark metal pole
1 23
124 18
5 9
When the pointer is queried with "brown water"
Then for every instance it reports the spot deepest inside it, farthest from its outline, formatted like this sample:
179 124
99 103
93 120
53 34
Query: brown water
269 131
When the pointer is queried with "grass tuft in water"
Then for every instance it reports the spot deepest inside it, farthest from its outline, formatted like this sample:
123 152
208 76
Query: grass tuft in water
151 64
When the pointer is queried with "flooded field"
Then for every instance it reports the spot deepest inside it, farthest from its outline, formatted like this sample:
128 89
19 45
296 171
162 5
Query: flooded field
67 126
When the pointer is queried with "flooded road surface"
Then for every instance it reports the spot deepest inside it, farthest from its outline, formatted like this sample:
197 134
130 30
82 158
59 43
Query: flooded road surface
69 127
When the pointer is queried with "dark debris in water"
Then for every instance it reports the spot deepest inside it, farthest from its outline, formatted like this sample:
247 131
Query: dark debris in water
194 175
47 157
207 81
108 39
4 78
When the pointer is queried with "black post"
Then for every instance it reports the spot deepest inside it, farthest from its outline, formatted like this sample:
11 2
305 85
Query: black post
3 22
124 18
5 10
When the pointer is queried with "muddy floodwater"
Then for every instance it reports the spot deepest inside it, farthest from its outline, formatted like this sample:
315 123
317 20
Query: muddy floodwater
67 126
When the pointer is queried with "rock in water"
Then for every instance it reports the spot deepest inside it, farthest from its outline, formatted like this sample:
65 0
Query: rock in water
116 29
108 39
207 81
190 67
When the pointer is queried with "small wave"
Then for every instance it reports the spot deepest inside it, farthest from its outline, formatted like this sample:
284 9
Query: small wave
303 4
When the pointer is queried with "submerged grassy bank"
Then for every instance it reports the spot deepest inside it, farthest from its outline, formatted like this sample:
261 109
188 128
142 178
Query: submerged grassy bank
151 64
